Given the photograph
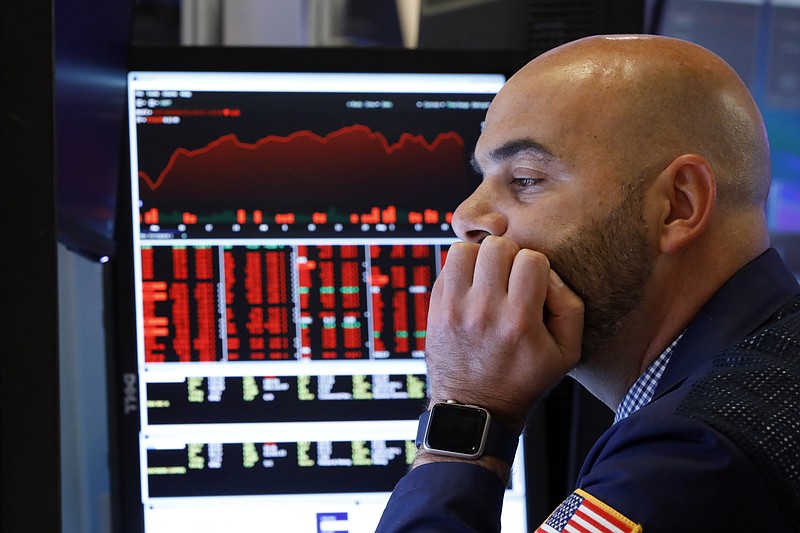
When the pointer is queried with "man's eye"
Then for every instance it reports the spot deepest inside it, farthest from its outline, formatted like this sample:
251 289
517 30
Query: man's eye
526 183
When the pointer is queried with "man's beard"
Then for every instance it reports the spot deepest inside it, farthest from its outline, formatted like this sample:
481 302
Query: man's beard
608 263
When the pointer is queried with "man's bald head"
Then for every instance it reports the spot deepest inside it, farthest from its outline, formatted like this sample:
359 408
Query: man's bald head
639 167
647 99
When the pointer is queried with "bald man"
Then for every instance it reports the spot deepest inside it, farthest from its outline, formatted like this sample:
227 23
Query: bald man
618 236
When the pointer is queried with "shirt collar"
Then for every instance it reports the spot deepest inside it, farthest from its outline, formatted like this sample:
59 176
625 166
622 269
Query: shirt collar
643 390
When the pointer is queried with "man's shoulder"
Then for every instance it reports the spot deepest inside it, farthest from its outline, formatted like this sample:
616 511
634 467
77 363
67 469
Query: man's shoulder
731 428
750 393
761 371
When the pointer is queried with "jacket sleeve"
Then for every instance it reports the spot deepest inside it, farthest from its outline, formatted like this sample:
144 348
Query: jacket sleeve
446 497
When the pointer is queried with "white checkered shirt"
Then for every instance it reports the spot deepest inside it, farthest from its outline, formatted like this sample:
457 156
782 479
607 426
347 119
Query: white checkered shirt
642 391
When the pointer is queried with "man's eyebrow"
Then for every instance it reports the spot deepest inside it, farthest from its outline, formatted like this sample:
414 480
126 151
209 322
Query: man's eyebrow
514 148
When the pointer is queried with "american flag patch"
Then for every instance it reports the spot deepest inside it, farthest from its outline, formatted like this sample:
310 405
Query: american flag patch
583 513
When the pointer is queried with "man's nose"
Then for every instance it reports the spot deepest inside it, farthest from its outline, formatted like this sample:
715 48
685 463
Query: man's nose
478 217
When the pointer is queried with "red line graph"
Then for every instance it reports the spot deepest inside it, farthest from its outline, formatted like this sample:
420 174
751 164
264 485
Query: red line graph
405 140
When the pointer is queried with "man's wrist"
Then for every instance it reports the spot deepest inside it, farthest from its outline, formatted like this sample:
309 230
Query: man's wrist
494 464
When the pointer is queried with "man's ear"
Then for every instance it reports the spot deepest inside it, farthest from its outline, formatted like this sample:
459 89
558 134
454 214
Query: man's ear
688 191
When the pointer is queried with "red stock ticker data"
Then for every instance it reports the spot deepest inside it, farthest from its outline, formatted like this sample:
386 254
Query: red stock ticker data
333 306
182 309
180 304
374 216
350 306
258 306
401 277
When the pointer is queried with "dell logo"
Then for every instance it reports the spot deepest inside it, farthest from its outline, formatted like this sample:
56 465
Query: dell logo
129 392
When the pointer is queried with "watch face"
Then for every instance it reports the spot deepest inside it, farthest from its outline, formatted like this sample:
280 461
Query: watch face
457 429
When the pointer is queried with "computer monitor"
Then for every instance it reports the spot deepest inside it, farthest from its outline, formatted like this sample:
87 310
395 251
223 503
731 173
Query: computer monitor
286 222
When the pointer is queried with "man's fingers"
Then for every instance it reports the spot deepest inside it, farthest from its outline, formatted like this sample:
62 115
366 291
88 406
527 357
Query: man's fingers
565 322
490 341
527 284
493 265
455 279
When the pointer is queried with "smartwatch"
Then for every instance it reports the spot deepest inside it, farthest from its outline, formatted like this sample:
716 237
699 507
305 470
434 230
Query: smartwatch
465 431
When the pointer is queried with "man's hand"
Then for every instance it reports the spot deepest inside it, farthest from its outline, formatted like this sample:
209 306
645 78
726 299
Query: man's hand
502 329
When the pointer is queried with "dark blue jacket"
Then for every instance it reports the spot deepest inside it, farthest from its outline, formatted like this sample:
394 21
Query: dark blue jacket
717 449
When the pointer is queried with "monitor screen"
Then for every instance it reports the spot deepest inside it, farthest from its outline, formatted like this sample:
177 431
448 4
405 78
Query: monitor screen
286 228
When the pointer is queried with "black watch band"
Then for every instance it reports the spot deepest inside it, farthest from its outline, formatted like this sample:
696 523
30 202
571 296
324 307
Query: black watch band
465 431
